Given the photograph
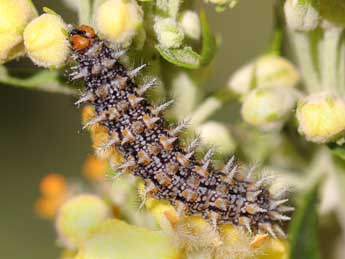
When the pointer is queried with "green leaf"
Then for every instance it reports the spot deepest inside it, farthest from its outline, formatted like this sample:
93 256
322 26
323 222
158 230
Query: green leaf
188 58
44 80
337 150
303 228
185 57
209 45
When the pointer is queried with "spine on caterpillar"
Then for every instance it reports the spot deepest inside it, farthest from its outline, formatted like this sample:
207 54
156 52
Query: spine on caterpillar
155 153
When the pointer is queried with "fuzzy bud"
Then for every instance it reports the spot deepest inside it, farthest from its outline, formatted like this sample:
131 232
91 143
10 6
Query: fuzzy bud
321 117
265 71
216 134
118 20
114 239
268 108
169 33
14 16
301 16
46 41
190 24
78 216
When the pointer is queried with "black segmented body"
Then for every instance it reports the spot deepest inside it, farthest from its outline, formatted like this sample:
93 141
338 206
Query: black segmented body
155 153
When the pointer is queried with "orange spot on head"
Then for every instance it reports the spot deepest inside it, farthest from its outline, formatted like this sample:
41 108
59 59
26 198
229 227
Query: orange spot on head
88 30
79 42
94 168
53 185
81 38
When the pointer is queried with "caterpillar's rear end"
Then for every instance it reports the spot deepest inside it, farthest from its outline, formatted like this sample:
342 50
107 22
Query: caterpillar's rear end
155 153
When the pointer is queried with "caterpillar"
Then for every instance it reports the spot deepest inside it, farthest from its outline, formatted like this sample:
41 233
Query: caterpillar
155 153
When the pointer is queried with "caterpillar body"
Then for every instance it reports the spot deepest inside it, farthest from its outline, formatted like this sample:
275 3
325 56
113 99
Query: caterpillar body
155 153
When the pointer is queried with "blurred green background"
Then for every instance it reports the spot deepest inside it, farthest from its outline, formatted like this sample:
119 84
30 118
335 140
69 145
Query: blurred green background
41 132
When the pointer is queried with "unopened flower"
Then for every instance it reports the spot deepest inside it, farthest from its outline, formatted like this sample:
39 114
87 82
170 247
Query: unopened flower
78 216
268 108
186 94
53 185
216 134
114 239
266 71
118 20
14 16
321 117
169 33
95 168
54 191
45 40
190 23
301 15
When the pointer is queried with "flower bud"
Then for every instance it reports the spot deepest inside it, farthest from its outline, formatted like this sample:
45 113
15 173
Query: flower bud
186 95
268 108
190 24
118 20
46 42
114 239
78 216
321 117
301 16
216 134
266 71
14 16
169 33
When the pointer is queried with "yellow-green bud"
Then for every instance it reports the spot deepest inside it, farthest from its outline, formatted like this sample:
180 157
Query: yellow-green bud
268 108
118 20
301 16
78 217
266 71
321 117
190 24
186 94
169 33
45 40
14 16
216 134
114 239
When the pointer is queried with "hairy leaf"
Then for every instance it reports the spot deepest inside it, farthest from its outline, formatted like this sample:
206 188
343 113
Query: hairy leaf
185 57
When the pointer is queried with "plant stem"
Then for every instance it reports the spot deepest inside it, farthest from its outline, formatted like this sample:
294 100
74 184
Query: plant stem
205 110
329 59
44 81
277 35
307 52
84 12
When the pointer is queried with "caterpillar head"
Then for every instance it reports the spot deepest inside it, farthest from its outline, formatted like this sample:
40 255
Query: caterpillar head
81 37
